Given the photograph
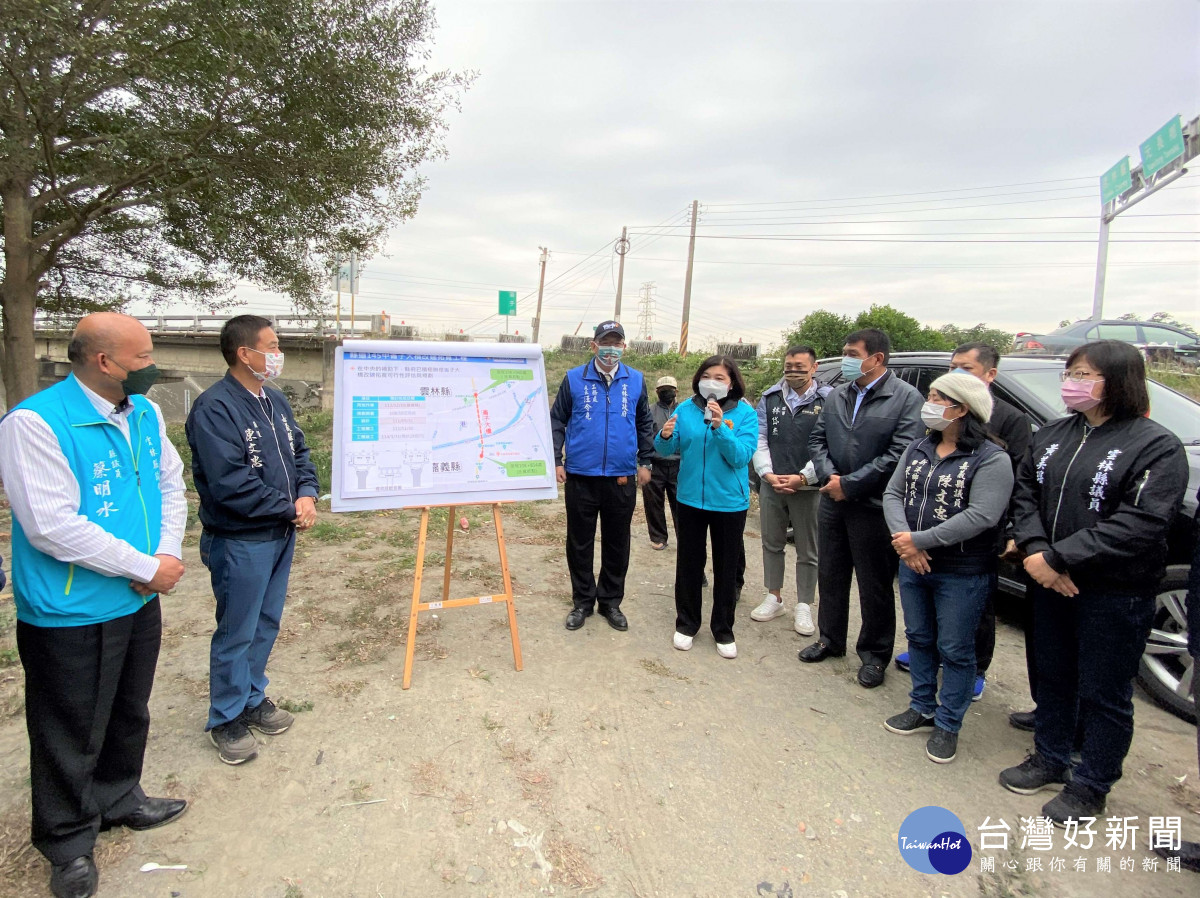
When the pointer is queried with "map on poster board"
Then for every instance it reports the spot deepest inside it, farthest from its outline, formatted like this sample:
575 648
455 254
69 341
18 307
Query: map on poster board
420 423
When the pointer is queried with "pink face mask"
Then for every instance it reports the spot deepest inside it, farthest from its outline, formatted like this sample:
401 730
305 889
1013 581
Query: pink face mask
1077 394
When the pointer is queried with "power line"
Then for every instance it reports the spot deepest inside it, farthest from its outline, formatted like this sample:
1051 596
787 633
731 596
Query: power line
915 193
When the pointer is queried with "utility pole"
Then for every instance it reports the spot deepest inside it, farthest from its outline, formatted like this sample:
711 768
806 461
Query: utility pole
687 283
1164 156
537 322
621 249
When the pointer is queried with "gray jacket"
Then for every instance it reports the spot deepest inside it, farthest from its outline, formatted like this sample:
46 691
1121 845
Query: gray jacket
864 450
661 413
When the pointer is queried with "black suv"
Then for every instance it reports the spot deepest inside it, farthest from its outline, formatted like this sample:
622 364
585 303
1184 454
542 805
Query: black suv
1032 385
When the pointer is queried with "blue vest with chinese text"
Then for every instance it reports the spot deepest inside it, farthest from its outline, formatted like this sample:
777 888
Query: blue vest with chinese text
602 437
119 491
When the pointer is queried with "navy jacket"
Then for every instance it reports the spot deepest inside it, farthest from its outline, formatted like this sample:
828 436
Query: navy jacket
249 461
606 430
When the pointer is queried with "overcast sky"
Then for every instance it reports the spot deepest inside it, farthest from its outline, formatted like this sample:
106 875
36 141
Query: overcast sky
863 126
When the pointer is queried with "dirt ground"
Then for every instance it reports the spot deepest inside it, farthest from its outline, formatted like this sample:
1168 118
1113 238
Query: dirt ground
612 765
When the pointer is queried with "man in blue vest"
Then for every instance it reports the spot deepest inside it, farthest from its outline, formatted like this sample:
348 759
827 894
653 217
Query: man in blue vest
99 511
603 446
257 487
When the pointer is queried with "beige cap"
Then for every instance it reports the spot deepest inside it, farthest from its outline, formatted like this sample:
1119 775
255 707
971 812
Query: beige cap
666 381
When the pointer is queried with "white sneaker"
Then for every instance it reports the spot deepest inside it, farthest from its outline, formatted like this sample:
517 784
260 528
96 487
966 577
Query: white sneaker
804 622
727 649
770 609
681 642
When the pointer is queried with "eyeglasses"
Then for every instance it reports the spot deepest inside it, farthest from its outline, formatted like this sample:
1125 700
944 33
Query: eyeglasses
1077 376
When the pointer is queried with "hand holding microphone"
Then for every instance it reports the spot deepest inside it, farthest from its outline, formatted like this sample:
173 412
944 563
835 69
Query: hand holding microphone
712 412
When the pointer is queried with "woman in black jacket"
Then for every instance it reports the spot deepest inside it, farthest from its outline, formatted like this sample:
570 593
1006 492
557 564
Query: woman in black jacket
1091 508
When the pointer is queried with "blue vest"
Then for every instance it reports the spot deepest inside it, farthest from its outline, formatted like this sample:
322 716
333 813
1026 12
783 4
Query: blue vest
602 437
118 491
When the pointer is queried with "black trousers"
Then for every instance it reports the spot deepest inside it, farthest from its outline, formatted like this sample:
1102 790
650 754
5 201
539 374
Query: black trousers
694 526
853 539
985 633
588 498
87 693
663 478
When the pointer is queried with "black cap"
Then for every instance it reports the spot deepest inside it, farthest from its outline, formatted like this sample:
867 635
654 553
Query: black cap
609 327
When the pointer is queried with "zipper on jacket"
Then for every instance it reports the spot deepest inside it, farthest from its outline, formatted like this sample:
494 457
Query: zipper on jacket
1138 498
1063 488
704 464
925 493
145 511
607 412
278 447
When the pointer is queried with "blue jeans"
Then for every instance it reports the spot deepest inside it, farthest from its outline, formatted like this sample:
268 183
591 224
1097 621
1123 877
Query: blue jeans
941 614
1087 650
249 580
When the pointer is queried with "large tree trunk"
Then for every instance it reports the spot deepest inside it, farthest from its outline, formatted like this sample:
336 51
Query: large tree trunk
18 294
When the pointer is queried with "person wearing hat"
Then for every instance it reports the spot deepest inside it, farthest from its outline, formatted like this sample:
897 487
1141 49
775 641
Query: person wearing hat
665 473
603 447
944 506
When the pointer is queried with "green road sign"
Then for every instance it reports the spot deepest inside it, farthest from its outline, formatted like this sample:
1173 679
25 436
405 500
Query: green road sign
1164 147
508 302
1115 181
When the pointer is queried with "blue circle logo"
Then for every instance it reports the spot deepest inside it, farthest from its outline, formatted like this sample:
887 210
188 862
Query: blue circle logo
933 840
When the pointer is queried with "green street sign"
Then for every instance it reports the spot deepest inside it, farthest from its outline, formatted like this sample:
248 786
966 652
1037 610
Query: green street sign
1164 147
1115 181
508 302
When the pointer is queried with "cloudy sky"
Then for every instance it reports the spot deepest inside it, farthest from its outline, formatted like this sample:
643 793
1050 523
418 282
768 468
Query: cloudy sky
942 157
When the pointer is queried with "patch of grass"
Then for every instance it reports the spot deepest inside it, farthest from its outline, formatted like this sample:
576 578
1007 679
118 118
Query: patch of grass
330 532
656 667
542 720
478 673
491 725
360 791
347 688
295 707
292 890
427 779
8 657
571 865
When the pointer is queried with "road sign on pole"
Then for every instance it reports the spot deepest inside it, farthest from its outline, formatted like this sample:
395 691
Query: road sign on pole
1162 148
508 302
1115 181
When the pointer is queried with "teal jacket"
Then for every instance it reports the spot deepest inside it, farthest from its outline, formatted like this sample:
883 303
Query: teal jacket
119 491
713 463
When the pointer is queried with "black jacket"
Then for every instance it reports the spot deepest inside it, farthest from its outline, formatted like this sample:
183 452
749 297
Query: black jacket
1099 501
864 450
249 461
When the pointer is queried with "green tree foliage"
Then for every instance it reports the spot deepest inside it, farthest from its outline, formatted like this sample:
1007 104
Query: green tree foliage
906 332
823 331
1001 341
153 148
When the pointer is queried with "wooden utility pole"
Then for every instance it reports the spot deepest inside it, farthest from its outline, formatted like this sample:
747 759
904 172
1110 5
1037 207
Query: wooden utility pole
537 322
687 283
621 248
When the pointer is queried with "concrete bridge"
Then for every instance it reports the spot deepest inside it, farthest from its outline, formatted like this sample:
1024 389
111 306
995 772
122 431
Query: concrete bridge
187 350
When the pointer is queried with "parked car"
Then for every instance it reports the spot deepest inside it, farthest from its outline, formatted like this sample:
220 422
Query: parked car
1031 383
1146 335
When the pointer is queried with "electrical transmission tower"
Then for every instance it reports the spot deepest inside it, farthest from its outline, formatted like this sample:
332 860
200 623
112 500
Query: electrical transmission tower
646 311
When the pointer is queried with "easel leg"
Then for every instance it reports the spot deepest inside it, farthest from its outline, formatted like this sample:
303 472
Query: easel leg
416 601
449 553
508 592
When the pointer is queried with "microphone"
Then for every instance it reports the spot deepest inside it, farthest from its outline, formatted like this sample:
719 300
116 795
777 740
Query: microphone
708 415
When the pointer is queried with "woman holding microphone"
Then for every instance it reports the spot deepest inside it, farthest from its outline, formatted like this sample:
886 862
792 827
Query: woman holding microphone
715 435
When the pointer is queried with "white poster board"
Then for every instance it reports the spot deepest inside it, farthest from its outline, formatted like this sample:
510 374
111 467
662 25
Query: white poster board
439 423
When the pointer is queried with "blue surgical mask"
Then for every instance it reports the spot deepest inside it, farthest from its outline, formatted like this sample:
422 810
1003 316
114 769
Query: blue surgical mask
609 355
851 368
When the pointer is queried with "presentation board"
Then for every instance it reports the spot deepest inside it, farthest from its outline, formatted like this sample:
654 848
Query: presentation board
419 424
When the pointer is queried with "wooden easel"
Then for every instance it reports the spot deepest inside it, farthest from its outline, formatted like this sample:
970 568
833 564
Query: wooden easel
418 606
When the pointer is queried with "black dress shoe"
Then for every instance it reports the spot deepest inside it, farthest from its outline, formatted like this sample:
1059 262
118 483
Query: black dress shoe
818 651
1022 720
576 617
615 617
870 676
76 879
151 813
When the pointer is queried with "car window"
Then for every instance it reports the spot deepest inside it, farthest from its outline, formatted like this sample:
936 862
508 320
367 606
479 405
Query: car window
1000 392
922 377
1093 333
1172 410
1164 335
1125 332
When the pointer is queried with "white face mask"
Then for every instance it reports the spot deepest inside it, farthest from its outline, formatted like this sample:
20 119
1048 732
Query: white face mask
713 388
274 365
932 416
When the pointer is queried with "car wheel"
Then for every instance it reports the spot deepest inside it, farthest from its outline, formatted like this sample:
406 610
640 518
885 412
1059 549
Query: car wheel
1166 667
